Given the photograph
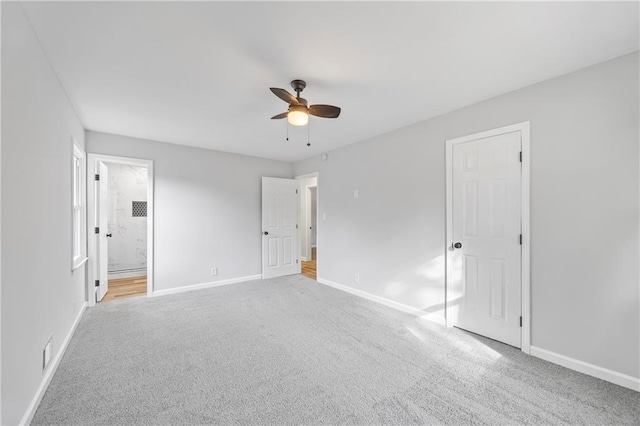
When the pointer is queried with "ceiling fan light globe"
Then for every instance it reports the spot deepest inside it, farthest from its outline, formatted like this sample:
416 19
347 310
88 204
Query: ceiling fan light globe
298 117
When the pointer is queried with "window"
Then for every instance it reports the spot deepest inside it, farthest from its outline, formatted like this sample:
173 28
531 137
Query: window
79 229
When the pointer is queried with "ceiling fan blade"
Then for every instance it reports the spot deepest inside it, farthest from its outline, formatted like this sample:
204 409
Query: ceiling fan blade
279 116
325 111
284 95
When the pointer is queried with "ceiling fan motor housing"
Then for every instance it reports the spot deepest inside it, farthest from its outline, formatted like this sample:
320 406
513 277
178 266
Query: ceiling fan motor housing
298 85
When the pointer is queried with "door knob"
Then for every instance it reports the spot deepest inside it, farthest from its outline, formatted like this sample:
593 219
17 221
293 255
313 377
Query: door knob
457 245
265 233
109 235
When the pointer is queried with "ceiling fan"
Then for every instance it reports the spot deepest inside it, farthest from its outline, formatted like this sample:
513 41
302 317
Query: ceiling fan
298 113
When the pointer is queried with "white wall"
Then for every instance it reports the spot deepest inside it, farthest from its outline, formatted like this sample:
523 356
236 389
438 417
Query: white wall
584 210
207 208
128 244
41 297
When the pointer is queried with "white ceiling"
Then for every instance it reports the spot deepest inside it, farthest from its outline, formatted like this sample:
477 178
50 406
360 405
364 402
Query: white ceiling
199 73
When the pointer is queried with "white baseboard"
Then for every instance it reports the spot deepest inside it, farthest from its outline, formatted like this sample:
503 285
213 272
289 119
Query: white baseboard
127 274
46 379
589 369
390 303
205 285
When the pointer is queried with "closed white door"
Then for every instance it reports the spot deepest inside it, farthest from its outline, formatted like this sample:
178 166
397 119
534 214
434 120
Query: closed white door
279 227
102 249
485 246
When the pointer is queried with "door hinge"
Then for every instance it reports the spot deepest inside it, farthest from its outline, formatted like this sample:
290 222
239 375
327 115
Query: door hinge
520 321
521 156
97 177
520 239
96 230
97 283
296 226
296 260
296 191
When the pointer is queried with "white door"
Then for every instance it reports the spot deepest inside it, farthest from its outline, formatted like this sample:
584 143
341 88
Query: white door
102 249
485 244
279 228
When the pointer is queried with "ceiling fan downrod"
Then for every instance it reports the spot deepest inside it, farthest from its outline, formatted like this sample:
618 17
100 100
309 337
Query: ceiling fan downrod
298 86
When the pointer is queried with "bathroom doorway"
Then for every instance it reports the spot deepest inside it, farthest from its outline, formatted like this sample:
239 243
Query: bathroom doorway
122 232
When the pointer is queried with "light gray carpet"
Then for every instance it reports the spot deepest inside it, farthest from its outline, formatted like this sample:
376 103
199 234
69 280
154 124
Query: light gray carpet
291 351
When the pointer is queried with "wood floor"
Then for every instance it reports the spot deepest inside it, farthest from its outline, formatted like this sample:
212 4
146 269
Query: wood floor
309 267
122 288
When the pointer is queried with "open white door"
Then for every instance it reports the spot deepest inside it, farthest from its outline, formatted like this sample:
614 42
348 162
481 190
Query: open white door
308 253
485 242
279 227
102 246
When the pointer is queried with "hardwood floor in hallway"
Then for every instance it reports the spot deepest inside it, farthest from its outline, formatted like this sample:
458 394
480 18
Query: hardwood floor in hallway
309 267
123 288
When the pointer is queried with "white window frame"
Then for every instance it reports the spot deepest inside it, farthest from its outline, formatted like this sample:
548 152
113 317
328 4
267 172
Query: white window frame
78 208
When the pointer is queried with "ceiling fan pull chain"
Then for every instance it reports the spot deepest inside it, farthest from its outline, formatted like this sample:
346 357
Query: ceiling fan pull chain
287 122
309 133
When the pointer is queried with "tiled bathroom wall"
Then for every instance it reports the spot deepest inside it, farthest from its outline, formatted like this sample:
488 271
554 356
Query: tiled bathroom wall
127 220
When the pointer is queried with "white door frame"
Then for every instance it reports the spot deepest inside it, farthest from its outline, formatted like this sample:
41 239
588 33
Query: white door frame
524 129
92 160
305 220
317 185
308 218
304 217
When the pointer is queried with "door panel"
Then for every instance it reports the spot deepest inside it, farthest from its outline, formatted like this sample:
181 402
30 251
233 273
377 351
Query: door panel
498 288
102 209
486 217
279 228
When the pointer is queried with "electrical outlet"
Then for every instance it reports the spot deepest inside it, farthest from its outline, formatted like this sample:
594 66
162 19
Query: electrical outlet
46 354
356 279
214 272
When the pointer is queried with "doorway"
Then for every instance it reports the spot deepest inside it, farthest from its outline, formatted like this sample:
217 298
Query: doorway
487 244
308 219
121 221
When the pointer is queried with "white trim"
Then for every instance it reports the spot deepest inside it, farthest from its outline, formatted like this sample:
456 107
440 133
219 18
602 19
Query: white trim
51 370
92 160
390 303
318 220
127 274
78 261
621 379
205 285
307 175
525 137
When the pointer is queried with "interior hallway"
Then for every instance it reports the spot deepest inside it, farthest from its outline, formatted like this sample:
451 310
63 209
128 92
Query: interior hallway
122 288
309 267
